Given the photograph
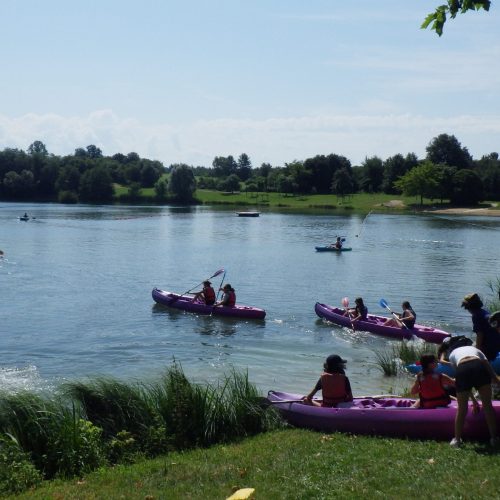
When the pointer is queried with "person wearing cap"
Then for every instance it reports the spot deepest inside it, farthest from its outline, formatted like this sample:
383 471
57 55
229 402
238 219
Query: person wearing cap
333 383
487 337
228 297
207 294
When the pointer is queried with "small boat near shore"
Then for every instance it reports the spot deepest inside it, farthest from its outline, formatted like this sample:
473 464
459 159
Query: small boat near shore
186 303
382 416
375 324
332 248
248 214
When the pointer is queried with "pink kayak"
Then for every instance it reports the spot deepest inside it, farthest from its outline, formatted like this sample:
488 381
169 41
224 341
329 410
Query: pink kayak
177 301
375 324
384 416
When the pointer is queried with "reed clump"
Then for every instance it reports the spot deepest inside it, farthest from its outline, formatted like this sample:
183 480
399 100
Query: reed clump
392 361
91 423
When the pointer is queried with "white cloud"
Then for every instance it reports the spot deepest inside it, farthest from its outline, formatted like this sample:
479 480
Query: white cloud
275 140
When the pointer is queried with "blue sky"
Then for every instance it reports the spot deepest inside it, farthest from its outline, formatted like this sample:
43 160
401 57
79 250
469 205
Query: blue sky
185 81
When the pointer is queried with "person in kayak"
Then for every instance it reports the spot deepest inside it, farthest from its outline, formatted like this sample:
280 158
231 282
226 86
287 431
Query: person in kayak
337 244
228 297
472 371
406 319
207 294
430 386
487 337
333 383
360 312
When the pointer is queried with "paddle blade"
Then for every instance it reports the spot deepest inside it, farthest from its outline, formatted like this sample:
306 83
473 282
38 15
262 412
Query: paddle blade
220 271
384 304
345 302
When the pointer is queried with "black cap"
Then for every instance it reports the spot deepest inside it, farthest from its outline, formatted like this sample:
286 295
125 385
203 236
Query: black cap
334 360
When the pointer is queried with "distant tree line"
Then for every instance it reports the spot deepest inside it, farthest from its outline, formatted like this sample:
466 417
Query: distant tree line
448 172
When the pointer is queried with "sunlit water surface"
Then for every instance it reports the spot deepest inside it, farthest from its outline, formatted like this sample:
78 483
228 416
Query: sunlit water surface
76 283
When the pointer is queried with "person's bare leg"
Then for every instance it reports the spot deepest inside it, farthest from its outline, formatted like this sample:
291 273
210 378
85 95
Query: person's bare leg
463 402
489 412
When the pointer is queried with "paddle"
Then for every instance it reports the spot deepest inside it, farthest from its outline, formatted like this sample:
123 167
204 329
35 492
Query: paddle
220 271
264 402
217 296
345 303
383 303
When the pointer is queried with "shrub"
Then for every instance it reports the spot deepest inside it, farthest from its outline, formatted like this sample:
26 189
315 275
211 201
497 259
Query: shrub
17 472
68 197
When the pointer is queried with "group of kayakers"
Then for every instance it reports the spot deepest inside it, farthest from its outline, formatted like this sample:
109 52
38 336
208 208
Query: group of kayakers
405 319
471 364
208 296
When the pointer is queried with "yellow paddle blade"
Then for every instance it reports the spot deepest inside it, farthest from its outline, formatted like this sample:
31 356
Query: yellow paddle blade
241 494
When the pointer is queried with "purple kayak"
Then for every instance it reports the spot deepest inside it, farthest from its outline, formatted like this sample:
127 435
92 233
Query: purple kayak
375 324
383 416
185 303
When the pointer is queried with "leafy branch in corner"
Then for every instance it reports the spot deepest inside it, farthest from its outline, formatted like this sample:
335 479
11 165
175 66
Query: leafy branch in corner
437 18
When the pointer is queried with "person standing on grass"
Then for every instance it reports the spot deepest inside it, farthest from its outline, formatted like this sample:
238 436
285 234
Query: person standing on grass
472 371
487 337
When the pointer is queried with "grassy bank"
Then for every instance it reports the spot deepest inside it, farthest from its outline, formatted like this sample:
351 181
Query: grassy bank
298 464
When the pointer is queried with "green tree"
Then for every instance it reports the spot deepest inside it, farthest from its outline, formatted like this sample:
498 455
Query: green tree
446 149
422 181
224 166
244 167
342 183
230 184
38 148
161 189
372 175
467 188
395 167
19 186
438 18
182 183
96 185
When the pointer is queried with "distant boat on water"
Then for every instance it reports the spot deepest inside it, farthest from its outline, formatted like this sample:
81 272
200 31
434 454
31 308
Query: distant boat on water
248 214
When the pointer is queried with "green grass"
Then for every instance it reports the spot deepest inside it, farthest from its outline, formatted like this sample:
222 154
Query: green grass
295 464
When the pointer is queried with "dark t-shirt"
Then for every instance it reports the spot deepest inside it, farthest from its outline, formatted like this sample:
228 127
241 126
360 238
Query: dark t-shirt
491 342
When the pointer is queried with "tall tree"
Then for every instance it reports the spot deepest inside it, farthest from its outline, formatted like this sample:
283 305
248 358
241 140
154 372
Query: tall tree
244 167
37 147
422 181
96 185
182 183
446 149
372 175
224 166
467 188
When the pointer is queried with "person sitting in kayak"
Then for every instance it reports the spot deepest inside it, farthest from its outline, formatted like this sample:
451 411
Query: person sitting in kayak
228 297
360 312
406 319
337 244
333 384
431 386
207 294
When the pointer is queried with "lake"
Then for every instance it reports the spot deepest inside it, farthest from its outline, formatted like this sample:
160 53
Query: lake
76 283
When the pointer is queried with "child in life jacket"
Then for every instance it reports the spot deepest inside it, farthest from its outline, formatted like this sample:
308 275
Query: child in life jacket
430 385
333 383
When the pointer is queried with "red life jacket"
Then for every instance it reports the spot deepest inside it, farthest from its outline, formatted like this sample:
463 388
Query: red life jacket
209 295
231 302
333 389
431 392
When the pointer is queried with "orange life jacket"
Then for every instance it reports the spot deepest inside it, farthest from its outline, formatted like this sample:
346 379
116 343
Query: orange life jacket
231 301
333 389
209 295
431 392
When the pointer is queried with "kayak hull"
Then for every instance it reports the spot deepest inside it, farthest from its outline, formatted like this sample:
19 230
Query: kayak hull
375 324
383 416
184 303
332 249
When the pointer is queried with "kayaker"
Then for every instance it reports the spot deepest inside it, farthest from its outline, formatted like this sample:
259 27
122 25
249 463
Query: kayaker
406 319
207 294
487 337
431 386
338 243
360 312
333 383
472 371
228 297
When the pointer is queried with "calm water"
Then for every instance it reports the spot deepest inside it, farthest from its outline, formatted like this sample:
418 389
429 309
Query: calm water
76 285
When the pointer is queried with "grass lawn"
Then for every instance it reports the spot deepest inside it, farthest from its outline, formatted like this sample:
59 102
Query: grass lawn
298 464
